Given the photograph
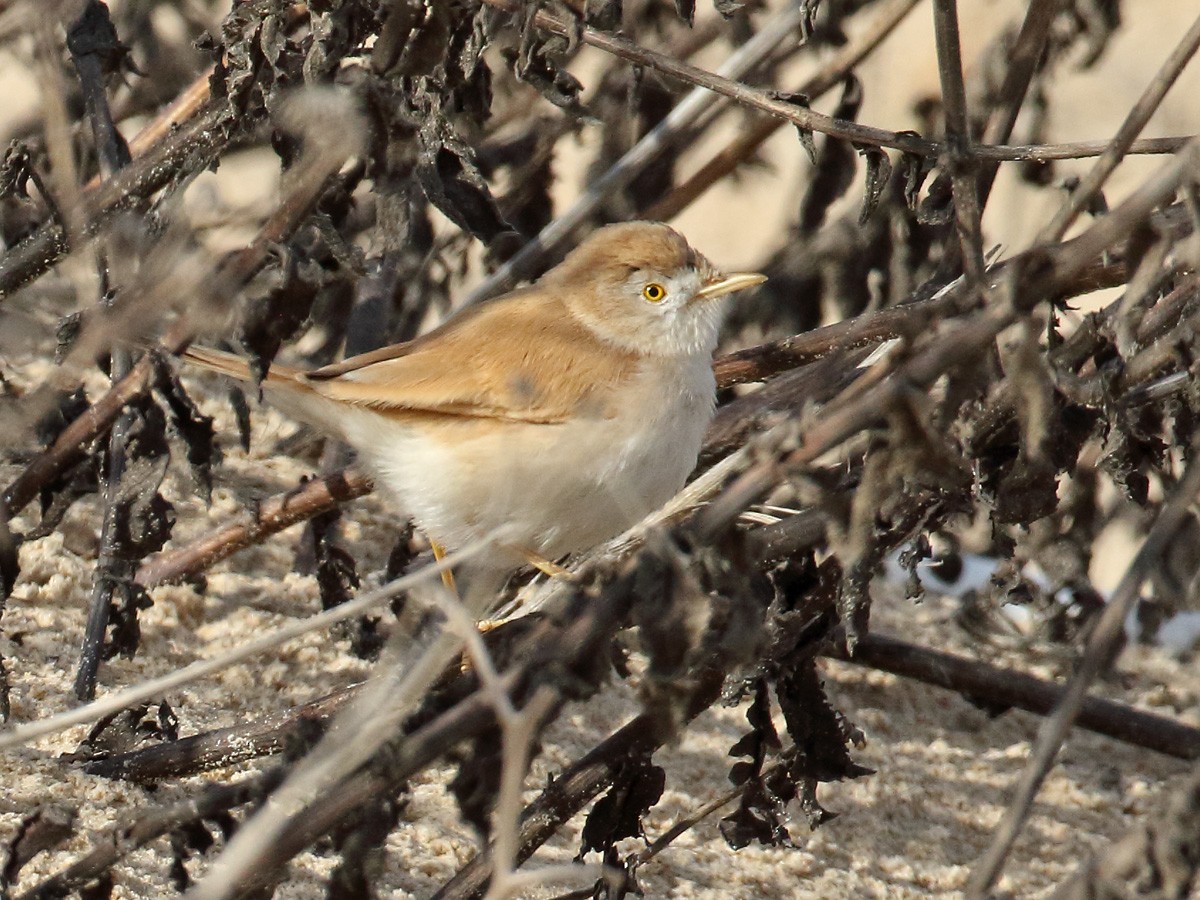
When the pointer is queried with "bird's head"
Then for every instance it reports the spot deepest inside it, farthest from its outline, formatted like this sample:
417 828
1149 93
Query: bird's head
640 286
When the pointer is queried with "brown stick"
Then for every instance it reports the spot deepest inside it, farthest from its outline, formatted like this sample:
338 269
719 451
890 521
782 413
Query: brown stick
199 140
797 115
1023 62
277 513
307 181
755 134
1006 687
1038 274
958 141
1150 100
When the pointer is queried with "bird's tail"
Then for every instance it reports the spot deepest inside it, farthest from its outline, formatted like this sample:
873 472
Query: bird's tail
235 367
286 387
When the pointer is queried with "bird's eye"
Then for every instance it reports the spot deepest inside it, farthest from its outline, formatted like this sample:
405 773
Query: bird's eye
654 292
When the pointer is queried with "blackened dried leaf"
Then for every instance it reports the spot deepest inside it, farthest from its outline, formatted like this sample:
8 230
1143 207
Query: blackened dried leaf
123 732
465 71
761 817
762 811
879 173
477 781
686 10
93 34
761 738
65 333
10 566
910 561
820 733
241 415
67 408
914 169
361 845
854 601
604 14
809 22
57 497
144 518
187 840
414 37
637 785
672 612
538 62
806 135
191 426
452 181
938 206
15 170
268 322
337 577
125 632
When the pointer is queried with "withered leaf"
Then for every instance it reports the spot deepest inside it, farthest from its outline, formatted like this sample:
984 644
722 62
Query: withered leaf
604 14
938 206
637 786
537 62
805 134
413 39
337 577
241 415
124 630
190 426
477 781
10 567
834 167
125 731
913 168
820 733
452 181
189 839
143 518
879 172
277 317
361 845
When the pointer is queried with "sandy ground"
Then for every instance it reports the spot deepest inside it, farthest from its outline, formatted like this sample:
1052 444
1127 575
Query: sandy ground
944 768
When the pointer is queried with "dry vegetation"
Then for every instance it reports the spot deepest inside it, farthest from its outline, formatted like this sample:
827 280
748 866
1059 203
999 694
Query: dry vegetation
421 150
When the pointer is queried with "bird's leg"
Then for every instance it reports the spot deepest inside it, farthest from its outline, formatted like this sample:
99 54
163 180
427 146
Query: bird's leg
539 562
439 553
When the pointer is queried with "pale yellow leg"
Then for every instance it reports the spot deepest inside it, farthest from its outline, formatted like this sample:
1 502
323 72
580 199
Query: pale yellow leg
439 553
546 566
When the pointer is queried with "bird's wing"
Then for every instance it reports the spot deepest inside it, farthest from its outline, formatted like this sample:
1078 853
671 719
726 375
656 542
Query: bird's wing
521 358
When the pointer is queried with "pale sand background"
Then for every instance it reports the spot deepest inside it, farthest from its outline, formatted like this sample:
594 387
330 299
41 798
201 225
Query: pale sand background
944 768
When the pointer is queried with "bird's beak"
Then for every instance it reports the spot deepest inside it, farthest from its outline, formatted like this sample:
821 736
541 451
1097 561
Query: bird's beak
727 284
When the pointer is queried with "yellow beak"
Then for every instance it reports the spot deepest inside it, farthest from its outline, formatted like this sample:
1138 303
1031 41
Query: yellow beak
727 284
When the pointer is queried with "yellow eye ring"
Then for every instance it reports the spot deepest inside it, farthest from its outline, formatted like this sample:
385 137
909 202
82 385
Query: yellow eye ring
654 292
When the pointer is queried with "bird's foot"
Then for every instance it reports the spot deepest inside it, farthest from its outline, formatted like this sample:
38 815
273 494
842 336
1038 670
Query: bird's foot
546 566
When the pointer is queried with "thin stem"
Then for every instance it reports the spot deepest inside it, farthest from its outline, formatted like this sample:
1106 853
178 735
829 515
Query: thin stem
1091 184
958 140
676 124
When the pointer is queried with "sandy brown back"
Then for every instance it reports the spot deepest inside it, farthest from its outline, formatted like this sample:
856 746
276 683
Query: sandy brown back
523 357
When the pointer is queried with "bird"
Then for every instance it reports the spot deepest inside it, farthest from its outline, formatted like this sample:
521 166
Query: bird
549 419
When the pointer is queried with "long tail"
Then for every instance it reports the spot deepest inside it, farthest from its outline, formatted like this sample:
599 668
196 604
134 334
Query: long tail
285 387
236 367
